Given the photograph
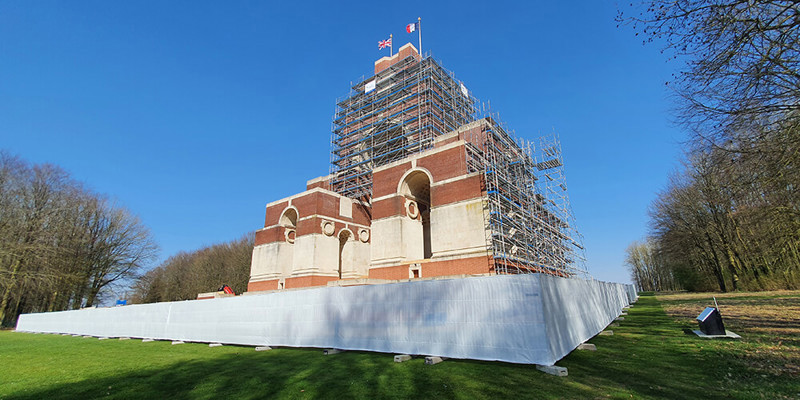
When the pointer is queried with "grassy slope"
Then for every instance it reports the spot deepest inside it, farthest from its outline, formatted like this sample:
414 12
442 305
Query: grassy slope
647 357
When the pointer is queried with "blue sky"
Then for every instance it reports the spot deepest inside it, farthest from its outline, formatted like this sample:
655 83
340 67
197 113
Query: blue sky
194 115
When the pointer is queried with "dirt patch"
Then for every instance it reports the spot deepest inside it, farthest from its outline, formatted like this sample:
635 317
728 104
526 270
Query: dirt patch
710 295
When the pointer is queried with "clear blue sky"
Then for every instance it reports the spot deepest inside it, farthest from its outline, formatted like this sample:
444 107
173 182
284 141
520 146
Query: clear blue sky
196 114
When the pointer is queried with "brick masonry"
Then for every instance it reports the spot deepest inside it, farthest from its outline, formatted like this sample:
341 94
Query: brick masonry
270 235
261 286
401 54
460 190
274 213
445 164
388 207
462 266
318 206
385 181
291 283
306 281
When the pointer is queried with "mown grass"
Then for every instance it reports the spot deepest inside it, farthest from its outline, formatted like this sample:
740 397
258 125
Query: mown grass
770 323
649 356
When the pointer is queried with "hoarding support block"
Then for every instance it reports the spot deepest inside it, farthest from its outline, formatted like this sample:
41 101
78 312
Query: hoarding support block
552 370
401 357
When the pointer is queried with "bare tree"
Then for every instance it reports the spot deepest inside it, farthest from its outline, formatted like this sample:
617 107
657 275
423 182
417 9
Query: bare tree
742 77
119 246
28 241
61 245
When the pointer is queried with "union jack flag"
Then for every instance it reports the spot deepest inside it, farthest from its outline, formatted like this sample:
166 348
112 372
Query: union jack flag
382 44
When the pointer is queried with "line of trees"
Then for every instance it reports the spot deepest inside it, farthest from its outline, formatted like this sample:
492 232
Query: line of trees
62 246
730 221
648 269
184 275
730 218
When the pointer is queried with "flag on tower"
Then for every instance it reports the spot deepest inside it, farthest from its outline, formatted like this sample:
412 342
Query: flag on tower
382 44
416 27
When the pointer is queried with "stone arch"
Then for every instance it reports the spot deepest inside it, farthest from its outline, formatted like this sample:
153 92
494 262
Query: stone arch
413 176
288 221
415 186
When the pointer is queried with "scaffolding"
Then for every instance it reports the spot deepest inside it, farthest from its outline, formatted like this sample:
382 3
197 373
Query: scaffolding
529 223
401 110
389 116
553 189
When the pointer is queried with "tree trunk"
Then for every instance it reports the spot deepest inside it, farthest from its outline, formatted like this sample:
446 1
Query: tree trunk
11 286
716 267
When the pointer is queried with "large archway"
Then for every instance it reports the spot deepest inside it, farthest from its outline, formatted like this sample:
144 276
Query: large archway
416 188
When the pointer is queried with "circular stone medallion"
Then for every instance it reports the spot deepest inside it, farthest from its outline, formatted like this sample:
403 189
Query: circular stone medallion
328 228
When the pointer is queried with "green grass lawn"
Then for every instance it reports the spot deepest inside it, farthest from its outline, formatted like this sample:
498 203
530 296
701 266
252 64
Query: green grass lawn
649 356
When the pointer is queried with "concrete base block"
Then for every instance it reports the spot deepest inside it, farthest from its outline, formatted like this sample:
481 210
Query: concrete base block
624 313
263 348
605 333
619 319
552 370
402 357
214 344
177 342
433 360
63 334
328 352
124 338
102 338
728 334
614 324
587 346
148 340
75 335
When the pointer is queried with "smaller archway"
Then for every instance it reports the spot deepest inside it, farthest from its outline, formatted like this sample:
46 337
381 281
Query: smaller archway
344 251
288 221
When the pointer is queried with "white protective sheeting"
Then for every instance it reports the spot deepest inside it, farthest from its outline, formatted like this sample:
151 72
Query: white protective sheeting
633 295
531 319
575 310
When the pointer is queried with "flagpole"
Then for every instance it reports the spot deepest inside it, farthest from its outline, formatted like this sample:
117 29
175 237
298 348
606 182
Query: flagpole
419 30
391 44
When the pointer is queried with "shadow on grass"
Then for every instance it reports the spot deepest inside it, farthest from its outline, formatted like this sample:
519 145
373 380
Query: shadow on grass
649 356
306 373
